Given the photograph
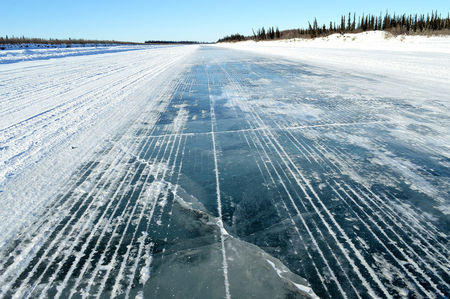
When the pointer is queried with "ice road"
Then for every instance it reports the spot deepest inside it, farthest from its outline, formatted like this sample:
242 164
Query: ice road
203 172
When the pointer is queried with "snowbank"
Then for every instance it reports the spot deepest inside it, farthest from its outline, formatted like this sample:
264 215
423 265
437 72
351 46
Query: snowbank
373 40
417 57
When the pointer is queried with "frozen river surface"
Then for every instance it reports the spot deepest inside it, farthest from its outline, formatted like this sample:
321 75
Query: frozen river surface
235 175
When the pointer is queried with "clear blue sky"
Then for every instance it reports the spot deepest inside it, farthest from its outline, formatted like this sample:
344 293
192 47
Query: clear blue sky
139 20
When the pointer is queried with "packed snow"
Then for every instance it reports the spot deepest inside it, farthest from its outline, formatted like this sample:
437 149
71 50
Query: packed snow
53 113
268 170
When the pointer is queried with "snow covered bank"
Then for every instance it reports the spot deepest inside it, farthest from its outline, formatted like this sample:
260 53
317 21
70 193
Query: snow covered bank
57 46
372 40
421 57
16 53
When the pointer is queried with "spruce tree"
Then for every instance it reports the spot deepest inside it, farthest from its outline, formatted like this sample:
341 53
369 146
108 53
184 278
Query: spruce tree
349 26
354 22
277 33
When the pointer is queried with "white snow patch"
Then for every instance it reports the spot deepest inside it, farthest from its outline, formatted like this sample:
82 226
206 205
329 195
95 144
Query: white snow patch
140 295
303 288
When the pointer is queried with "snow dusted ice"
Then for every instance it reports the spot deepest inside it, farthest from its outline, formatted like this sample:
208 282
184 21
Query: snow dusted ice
272 170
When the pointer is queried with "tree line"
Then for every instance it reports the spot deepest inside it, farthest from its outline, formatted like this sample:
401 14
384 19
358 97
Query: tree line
395 24
27 40
49 42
